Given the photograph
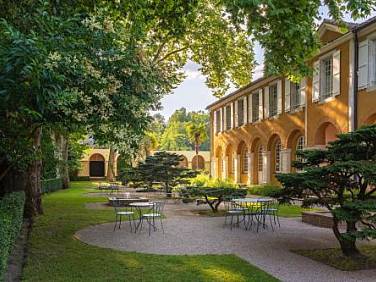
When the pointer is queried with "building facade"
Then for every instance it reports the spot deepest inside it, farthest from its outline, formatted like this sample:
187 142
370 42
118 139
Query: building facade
94 163
257 129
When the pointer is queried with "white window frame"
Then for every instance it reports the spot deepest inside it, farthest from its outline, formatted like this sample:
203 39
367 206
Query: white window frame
328 90
371 79
260 161
295 91
273 101
299 146
228 122
255 108
245 158
239 116
278 157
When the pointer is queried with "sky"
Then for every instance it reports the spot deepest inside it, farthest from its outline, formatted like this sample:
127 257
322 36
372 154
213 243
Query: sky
194 95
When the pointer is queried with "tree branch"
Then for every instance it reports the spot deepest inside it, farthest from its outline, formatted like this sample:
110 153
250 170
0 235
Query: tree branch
171 53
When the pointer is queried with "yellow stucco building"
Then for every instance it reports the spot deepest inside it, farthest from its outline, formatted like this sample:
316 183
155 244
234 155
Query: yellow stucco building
94 163
257 129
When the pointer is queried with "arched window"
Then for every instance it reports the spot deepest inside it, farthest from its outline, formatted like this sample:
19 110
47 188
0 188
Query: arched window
260 165
299 147
245 161
278 166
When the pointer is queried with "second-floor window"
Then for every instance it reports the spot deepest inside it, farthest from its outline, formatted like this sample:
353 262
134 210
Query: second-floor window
326 78
228 117
240 112
273 100
255 106
217 121
295 96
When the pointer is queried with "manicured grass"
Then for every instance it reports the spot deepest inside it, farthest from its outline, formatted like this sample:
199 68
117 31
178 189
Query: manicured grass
54 254
292 210
284 211
335 258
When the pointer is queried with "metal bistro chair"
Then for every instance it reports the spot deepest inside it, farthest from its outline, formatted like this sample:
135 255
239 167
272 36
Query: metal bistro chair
120 212
259 211
234 210
154 213
273 211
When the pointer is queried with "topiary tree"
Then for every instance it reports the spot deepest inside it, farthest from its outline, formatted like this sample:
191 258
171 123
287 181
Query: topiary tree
341 178
163 167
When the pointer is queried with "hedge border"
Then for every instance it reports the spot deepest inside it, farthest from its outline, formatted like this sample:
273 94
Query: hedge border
51 185
11 219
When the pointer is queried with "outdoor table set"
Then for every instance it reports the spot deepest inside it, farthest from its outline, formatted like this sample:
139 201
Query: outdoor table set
252 211
145 211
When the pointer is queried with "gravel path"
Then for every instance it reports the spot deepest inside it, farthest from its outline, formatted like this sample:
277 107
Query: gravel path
189 234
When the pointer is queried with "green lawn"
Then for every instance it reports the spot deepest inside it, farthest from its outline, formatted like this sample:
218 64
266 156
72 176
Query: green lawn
54 255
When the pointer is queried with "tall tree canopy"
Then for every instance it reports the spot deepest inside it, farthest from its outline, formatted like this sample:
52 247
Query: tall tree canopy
287 29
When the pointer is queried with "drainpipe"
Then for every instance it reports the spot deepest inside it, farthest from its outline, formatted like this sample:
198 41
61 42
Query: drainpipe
355 76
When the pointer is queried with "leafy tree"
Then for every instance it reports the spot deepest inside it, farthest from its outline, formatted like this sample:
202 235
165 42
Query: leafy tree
287 29
164 168
342 179
176 137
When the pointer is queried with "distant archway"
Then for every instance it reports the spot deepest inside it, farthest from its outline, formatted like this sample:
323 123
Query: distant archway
198 162
219 162
326 133
96 165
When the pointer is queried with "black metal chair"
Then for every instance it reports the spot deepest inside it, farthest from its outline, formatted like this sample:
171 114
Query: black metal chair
154 213
234 210
120 212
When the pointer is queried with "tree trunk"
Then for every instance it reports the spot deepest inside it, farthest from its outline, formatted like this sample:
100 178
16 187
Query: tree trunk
111 165
65 165
33 205
348 244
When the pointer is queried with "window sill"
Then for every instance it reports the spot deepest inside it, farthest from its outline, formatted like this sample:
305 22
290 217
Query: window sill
371 88
326 100
296 110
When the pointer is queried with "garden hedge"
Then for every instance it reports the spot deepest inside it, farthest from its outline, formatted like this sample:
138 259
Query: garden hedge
265 190
11 218
50 185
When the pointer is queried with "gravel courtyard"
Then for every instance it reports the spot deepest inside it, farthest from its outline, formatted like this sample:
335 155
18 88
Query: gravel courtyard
186 233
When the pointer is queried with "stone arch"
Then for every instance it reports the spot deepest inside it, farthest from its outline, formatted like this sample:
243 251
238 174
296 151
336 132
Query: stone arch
229 155
292 137
274 147
97 165
292 143
219 161
326 133
198 162
243 154
257 150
